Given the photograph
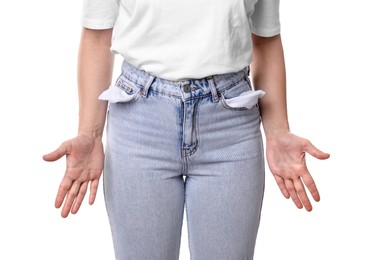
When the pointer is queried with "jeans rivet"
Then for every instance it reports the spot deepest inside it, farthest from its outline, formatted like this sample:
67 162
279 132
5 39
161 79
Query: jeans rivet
187 88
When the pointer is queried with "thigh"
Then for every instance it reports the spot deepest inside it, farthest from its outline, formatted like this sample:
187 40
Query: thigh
145 215
225 184
143 185
223 213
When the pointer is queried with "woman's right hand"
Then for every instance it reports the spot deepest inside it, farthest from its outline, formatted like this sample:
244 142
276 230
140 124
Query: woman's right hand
85 160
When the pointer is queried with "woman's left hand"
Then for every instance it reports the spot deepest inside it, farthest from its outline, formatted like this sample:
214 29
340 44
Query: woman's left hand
286 159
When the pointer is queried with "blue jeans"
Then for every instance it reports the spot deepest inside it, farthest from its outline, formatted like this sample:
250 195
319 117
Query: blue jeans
195 143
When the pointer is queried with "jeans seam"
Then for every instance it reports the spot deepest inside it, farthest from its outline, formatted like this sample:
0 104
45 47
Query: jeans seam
187 221
222 88
225 87
195 125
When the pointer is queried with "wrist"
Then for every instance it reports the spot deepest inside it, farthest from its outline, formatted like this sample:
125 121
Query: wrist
94 134
276 132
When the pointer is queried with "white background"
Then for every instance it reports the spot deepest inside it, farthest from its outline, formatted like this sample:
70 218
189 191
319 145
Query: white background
327 55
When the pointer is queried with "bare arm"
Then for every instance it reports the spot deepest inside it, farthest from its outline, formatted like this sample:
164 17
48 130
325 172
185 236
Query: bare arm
268 74
95 67
85 153
285 151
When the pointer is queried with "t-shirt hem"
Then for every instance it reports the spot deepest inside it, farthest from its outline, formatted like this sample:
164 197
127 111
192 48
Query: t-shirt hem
91 24
265 32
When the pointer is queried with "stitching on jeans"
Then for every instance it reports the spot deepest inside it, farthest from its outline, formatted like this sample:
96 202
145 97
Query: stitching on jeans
222 88
194 124
232 85
183 116
129 82
132 80
197 126
187 218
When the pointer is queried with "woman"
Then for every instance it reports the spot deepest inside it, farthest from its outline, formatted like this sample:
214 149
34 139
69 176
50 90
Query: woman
183 106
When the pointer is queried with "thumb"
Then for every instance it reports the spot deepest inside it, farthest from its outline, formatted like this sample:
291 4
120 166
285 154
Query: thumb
315 152
57 154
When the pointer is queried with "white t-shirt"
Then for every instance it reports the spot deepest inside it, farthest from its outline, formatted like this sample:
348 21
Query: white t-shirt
183 39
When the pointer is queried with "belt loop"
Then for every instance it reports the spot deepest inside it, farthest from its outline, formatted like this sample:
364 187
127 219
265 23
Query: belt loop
148 83
212 85
248 70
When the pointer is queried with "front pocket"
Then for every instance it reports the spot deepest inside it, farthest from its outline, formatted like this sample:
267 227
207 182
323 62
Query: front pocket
245 100
240 96
120 92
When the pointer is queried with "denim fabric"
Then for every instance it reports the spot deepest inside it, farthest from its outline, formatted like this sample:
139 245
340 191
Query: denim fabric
193 144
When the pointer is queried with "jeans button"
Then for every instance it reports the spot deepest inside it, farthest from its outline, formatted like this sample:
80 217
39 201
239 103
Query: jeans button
187 88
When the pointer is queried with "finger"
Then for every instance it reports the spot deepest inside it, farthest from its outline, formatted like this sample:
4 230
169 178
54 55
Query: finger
312 150
64 187
93 190
293 194
57 154
80 197
72 193
310 184
302 194
281 184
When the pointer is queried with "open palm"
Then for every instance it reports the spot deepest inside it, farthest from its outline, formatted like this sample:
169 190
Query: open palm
286 160
84 158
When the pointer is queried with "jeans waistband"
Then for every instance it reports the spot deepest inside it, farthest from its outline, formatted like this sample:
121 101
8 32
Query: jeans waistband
182 88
